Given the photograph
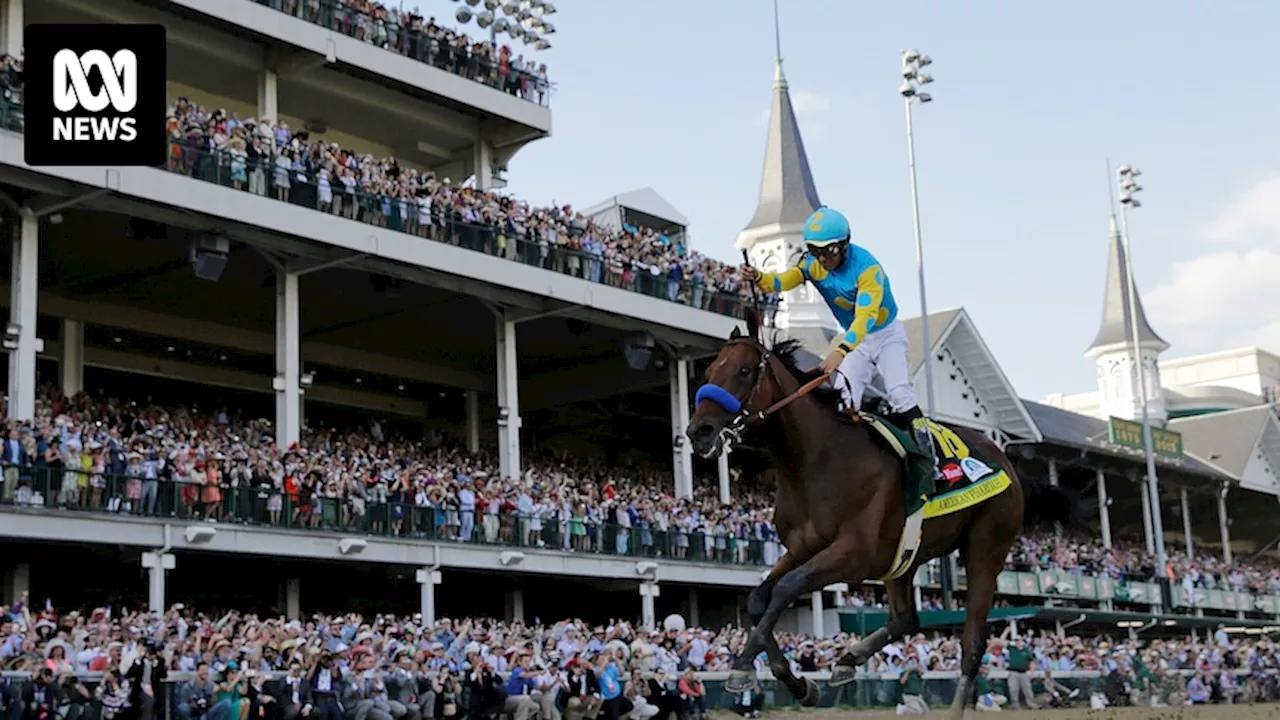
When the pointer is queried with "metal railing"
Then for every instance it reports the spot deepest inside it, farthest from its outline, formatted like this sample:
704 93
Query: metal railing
869 690
297 185
384 30
389 516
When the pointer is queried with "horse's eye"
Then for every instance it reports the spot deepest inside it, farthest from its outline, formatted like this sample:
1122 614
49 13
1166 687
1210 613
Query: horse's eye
744 371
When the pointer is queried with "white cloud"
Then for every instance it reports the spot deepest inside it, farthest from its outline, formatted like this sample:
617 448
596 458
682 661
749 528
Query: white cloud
808 105
1227 297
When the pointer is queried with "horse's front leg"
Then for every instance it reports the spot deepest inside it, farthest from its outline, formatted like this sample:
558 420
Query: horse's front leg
758 600
836 562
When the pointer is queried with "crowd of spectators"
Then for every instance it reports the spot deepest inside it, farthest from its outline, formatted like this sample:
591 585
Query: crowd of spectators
117 456
290 165
403 667
409 33
1129 561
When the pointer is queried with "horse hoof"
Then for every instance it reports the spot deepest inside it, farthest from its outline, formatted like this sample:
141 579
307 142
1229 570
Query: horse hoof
812 694
842 675
740 681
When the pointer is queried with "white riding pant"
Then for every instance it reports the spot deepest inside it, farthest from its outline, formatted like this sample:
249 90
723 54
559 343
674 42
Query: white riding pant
885 352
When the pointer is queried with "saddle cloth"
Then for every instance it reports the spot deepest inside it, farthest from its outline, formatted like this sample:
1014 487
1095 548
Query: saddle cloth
969 478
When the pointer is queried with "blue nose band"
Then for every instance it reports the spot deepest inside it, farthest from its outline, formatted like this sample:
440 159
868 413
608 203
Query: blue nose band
719 396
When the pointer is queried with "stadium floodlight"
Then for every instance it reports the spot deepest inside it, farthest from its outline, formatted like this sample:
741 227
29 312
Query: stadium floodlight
492 5
485 19
542 45
516 30
1125 175
520 19
463 15
912 61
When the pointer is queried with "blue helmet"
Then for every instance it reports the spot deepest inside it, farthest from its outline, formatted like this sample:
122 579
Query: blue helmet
826 226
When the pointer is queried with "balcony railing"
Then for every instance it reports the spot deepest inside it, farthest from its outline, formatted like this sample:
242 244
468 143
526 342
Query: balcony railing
375 514
297 185
384 30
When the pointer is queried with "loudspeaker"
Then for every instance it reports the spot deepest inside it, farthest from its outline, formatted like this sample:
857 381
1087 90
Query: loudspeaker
208 254
637 348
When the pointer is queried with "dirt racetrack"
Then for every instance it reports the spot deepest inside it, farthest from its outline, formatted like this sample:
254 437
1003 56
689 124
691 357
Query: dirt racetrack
1201 712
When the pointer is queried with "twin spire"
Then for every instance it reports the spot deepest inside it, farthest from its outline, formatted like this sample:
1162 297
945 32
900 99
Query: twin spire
1115 304
788 195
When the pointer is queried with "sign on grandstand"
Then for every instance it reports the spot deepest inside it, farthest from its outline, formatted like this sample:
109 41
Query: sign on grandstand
95 95
1127 433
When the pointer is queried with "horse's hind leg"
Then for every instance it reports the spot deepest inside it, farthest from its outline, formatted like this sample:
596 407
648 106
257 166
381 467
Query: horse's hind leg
832 564
903 620
984 559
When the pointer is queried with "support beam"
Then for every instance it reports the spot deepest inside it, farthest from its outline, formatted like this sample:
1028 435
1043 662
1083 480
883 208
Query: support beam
815 607
428 578
482 164
17 583
1224 527
693 620
1186 522
508 398
682 449
648 616
1053 482
288 360
268 96
515 605
71 358
293 598
473 422
1104 509
157 563
12 23
23 314
1147 533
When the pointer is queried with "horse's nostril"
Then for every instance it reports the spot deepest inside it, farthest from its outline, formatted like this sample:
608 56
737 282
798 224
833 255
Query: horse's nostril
701 430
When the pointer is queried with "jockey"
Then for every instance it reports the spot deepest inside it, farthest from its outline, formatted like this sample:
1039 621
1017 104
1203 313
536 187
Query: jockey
856 289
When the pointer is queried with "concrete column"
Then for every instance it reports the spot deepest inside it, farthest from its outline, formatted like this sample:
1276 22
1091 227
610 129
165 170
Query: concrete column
157 564
24 291
648 617
288 360
508 400
694 620
11 26
1223 526
1104 511
482 164
815 606
1053 472
473 421
725 477
681 449
268 96
1147 532
71 362
293 598
428 579
515 605
1186 522
17 582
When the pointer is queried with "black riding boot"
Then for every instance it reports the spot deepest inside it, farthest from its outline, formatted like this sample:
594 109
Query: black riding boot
924 439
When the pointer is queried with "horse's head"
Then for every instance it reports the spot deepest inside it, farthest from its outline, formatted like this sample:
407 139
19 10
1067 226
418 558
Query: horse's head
740 385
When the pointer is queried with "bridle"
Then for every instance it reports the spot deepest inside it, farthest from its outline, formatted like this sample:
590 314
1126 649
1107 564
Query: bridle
744 417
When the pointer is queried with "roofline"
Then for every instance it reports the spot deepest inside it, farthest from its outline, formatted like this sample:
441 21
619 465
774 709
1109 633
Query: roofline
1207 416
1036 434
1095 351
1220 354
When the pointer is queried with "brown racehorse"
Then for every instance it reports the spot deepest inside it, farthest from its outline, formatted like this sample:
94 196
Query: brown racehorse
840 510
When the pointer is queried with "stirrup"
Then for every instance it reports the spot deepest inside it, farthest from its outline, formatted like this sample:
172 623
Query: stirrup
924 439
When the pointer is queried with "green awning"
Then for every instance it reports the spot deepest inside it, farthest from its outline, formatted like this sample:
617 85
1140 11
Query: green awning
865 620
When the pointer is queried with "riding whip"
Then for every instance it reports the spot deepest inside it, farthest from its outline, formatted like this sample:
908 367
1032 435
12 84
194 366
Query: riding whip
753 318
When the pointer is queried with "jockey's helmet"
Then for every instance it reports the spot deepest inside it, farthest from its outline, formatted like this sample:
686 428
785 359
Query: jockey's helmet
826 227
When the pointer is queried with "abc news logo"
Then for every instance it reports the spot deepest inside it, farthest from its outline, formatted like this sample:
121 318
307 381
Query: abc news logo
95 97
72 91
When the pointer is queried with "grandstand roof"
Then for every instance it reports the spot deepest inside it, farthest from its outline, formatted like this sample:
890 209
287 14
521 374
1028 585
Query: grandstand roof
1115 302
644 200
1063 427
1230 440
788 194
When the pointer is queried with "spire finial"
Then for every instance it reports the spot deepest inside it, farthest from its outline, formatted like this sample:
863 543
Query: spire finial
777 34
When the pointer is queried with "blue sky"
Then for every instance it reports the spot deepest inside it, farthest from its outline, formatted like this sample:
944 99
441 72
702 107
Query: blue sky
1031 99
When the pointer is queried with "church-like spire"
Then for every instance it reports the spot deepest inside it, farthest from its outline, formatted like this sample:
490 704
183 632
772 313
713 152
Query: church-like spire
787 192
1115 305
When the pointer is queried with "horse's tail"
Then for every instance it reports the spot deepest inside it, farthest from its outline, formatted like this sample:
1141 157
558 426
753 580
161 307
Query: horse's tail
1048 505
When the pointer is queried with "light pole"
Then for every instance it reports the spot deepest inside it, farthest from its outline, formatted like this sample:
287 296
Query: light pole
1129 187
525 20
912 80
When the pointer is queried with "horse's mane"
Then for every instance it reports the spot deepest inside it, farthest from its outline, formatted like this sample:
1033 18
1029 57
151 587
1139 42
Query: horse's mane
826 395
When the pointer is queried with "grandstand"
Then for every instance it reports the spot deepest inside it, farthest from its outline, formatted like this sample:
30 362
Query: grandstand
289 373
